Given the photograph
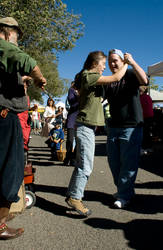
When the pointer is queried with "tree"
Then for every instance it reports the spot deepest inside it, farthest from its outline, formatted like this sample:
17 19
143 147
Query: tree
48 29
152 84
56 86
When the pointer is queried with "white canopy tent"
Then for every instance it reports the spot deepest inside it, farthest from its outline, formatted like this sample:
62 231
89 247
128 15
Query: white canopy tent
156 96
156 69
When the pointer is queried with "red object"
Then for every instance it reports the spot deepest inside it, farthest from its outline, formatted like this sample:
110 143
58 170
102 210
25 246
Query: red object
26 128
3 226
28 170
29 173
29 179
147 105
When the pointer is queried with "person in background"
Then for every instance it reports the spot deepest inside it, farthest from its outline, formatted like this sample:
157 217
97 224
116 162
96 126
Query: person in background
14 64
107 116
59 116
88 82
73 99
55 140
36 119
126 125
49 116
147 106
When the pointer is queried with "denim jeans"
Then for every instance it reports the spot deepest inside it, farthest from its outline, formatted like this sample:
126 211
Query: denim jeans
11 157
36 124
70 155
85 148
123 150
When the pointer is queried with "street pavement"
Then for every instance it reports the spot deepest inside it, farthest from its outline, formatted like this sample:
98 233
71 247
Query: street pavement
51 225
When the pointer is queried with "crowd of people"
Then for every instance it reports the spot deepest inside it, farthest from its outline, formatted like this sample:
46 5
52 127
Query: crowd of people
126 116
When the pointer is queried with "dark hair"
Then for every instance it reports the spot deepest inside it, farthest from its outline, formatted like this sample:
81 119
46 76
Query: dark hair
35 106
93 59
48 102
6 30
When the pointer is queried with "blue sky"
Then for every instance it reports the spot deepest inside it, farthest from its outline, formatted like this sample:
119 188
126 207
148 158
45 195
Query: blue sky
134 26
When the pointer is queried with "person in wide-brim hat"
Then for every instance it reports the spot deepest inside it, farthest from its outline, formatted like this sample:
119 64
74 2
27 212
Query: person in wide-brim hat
11 22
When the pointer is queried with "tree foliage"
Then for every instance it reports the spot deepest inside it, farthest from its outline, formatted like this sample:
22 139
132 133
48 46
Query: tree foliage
48 29
152 84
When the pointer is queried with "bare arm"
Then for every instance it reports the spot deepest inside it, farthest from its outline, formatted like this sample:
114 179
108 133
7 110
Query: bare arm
32 116
104 80
38 78
59 113
141 75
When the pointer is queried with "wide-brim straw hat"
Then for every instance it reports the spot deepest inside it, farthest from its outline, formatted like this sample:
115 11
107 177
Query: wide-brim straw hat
11 22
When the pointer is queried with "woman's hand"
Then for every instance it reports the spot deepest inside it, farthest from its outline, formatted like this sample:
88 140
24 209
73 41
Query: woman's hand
128 59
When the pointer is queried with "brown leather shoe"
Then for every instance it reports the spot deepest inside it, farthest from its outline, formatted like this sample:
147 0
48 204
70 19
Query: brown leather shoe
7 233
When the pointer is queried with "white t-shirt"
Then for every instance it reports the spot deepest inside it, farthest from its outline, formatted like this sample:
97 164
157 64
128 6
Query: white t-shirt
35 115
48 113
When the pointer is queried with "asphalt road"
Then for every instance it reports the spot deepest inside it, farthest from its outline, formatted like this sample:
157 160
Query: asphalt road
50 225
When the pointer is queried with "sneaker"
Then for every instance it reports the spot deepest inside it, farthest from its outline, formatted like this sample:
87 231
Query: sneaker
121 203
143 152
78 206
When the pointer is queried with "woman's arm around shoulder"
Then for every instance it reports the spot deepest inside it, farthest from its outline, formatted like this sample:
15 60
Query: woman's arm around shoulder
104 80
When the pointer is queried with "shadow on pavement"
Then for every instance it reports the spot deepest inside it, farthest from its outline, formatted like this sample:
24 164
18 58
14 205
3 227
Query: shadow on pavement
45 163
38 155
50 189
146 204
39 149
150 185
153 162
56 209
142 203
100 149
142 234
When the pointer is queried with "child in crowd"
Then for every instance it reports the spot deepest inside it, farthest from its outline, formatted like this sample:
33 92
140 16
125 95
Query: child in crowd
59 116
56 139
36 119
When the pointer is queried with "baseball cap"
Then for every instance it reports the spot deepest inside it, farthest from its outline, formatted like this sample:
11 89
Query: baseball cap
118 52
11 22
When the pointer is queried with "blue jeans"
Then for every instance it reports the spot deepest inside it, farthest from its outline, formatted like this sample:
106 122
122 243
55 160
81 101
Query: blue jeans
85 148
123 150
11 157
36 124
